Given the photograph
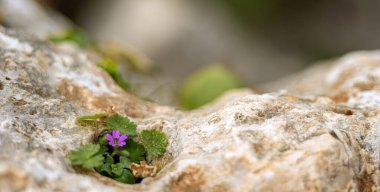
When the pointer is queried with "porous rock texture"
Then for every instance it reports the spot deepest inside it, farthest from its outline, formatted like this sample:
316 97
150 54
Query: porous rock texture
309 138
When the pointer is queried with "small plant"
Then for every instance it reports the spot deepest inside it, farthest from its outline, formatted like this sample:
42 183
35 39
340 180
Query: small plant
119 151
111 68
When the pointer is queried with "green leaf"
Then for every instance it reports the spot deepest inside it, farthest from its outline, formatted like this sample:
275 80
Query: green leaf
106 167
123 124
112 69
124 162
136 151
109 159
126 177
114 170
103 149
206 85
87 156
117 169
155 143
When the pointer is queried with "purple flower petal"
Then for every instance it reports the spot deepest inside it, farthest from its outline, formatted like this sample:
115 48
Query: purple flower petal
112 144
116 134
123 138
122 143
109 137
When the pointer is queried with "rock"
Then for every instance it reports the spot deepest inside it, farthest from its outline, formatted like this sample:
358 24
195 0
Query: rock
29 15
352 80
296 140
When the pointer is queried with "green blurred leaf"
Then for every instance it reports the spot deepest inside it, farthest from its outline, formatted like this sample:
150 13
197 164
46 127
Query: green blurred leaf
206 85
112 69
74 35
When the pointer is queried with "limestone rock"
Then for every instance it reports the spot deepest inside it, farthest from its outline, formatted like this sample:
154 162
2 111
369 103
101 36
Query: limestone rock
281 141
29 15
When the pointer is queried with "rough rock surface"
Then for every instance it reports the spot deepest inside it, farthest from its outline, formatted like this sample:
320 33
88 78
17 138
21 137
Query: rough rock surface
296 140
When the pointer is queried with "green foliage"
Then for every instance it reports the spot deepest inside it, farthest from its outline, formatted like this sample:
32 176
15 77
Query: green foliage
155 143
123 124
87 156
116 170
136 151
73 35
90 119
102 141
105 169
126 177
205 85
124 162
114 162
112 69
109 159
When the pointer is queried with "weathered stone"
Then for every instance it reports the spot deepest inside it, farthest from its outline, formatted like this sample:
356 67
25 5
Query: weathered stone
32 17
300 140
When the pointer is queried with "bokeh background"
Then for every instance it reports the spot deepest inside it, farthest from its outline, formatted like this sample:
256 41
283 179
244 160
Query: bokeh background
251 41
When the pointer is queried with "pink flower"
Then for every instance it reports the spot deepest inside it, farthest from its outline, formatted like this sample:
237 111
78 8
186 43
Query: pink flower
115 139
